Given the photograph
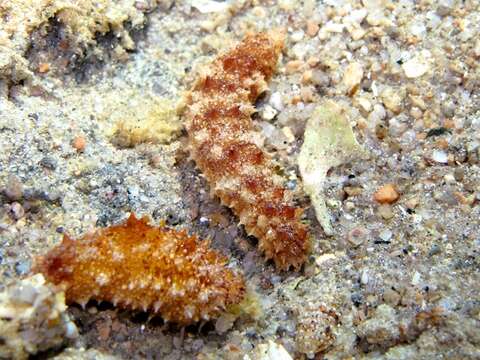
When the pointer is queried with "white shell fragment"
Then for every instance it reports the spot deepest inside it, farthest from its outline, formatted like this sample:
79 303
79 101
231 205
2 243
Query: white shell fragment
440 156
210 6
329 141
353 76
417 65
270 351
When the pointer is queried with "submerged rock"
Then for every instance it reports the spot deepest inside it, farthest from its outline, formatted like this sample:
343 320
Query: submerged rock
33 318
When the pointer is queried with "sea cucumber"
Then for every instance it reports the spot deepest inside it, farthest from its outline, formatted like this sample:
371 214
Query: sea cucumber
137 266
225 147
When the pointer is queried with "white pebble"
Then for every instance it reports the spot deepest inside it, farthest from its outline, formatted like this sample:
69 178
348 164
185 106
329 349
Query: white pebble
418 29
416 278
395 127
71 330
356 16
269 112
209 6
440 156
276 101
415 67
365 104
386 235
333 27
377 114
297 36
364 278
449 179
352 76
25 294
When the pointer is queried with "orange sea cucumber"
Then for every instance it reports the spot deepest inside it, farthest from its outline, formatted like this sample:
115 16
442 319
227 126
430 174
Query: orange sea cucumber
138 266
225 147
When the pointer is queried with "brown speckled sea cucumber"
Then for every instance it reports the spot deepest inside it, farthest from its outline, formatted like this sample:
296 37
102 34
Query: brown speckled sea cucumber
138 266
224 145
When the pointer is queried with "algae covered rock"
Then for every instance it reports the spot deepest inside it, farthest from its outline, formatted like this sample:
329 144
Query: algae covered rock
33 318
140 118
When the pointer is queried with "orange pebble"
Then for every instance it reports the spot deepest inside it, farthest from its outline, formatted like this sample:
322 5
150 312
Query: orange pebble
312 28
293 66
79 143
43 67
386 194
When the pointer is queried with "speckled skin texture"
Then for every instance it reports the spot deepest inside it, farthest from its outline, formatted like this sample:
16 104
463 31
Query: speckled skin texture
225 147
137 266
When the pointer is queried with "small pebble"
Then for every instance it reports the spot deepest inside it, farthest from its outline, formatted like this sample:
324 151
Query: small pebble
204 221
14 188
386 194
224 323
378 113
391 297
449 178
414 68
357 299
459 174
297 36
385 211
357 236
434 250
312 28
392 99
386 235
412 203
291 184
381 131
365 104
51 195
16 211
48 162
293 66
269 112
352 77
43 68
197 345
353 190
364 277
25 294
79 143
416 278
440 156
276 101
23 267
319 78
349 205
443 10
71 330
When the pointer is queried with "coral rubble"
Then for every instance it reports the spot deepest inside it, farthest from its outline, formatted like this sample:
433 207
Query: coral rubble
138 266
32 318
139 117
225 147
81 23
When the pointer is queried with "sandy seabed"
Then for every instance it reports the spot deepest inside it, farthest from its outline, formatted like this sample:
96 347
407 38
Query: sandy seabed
91 130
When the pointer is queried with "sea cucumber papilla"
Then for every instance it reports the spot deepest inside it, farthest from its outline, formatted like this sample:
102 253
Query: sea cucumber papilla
137 266
226 148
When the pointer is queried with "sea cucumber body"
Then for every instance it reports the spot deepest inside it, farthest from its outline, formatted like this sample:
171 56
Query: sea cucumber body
227 149
137 266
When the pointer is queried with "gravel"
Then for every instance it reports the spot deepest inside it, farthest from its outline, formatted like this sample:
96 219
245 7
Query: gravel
406 75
